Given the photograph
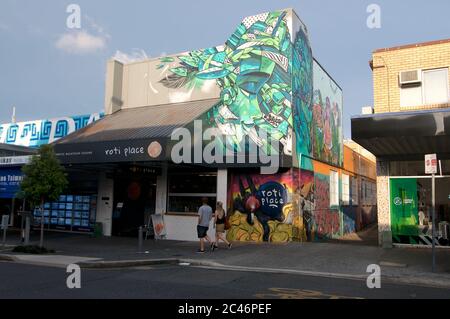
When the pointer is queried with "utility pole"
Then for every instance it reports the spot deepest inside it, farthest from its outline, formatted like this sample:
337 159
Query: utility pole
431 168
433 222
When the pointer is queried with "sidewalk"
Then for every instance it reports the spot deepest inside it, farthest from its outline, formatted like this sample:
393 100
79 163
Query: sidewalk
347 260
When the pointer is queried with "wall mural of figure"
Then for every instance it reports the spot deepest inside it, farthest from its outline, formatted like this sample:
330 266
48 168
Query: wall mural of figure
304 195
262 208
289 206
327 119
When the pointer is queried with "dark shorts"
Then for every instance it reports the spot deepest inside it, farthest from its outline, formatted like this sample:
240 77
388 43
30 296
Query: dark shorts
202 231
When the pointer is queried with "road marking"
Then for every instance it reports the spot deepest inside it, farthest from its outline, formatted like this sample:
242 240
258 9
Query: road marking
291 293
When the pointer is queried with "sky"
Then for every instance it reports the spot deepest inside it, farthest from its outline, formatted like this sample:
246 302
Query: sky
48 70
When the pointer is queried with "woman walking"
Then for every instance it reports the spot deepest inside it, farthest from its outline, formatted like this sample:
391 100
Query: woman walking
219 224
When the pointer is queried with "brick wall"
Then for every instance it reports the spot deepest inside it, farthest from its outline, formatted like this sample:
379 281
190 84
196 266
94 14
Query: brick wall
387 63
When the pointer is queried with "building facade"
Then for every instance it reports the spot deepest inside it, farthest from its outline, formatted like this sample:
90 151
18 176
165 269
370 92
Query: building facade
18 142
257 101
411 118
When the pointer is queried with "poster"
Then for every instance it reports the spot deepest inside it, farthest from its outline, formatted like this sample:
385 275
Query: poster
10 180
158 225
404 206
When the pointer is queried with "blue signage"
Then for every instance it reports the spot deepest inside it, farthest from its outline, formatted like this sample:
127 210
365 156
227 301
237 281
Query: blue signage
39 132
10 182
273 196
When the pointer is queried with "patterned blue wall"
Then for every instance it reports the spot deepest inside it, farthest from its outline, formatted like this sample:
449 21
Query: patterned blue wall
39 132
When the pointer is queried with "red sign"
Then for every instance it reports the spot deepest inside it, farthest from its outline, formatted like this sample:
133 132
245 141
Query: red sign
430 164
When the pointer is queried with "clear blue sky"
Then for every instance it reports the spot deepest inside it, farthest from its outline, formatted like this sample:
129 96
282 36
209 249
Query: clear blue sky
46 71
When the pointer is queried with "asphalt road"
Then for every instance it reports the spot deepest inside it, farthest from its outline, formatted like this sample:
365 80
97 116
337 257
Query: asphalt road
184 282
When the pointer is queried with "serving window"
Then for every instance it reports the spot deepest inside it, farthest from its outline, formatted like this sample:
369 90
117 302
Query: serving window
186 190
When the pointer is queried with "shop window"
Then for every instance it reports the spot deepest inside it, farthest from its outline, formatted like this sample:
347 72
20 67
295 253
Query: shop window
345 189
363 192
355 191
334 188
71 212
186 191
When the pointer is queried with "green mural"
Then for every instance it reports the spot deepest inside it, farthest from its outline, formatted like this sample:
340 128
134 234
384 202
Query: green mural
269 85
302 92
253 72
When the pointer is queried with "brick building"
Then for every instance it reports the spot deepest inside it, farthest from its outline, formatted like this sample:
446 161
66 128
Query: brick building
410 118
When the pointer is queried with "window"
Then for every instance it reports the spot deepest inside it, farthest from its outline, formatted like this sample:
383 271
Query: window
434 89
187 189
411 96
345 189
354 191
363 192
435 86
334 188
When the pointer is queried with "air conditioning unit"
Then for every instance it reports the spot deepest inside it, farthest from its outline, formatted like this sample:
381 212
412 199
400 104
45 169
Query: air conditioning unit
410 77
367 110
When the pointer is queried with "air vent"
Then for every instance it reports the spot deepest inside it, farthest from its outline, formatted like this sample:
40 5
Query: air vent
410 77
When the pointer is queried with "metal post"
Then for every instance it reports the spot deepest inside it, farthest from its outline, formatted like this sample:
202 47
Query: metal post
41 241
433 222
22 227
27 229
5 220
140 238
4 235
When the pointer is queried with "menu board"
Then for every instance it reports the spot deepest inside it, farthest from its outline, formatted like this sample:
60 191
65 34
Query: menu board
71 212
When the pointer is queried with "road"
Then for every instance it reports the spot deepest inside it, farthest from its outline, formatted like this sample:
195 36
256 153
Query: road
184 282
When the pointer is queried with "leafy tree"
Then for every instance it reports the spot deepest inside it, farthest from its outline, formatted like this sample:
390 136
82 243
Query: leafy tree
44 180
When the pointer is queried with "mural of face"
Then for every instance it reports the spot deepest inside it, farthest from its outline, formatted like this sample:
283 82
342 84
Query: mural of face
253 73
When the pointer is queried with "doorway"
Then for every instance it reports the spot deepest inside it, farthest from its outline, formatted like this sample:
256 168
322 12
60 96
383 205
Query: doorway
134 200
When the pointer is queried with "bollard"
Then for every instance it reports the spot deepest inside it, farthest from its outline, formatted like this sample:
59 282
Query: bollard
140 235
27 230
5 222
4 236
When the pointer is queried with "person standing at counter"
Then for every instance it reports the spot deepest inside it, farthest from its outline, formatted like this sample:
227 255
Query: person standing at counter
204 217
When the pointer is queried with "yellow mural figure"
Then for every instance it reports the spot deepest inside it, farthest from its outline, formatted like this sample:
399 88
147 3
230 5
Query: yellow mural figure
289 229
240 230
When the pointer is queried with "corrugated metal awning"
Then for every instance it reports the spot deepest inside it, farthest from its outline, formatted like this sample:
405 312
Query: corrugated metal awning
130 135
404 135
140 123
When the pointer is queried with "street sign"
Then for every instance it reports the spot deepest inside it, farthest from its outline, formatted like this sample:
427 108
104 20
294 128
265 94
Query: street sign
431 164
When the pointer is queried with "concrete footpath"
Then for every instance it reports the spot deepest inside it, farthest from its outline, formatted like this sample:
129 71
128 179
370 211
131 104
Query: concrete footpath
333 259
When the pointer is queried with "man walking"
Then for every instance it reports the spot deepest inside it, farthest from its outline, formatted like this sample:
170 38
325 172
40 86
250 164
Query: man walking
204 217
